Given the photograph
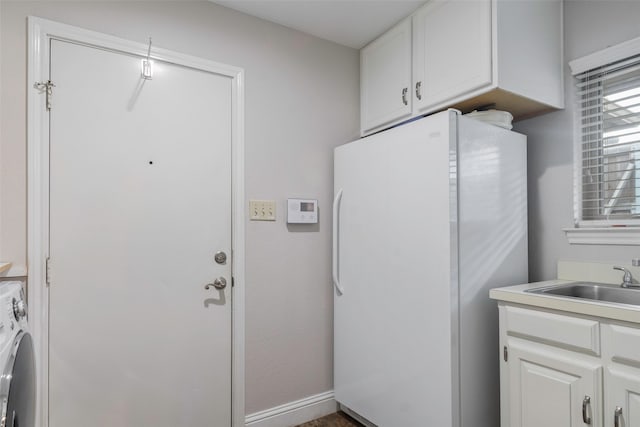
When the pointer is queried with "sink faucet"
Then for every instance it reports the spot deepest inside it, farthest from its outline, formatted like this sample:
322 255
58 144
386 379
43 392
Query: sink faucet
627 280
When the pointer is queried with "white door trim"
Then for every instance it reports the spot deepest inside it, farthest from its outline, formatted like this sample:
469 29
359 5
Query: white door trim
41 31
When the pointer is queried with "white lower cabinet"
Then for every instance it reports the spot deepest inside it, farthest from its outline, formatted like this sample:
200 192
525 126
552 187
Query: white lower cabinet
622 396
550 388
590 376
621 347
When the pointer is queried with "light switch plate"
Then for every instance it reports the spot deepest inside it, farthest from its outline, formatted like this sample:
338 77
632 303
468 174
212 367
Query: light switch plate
262 210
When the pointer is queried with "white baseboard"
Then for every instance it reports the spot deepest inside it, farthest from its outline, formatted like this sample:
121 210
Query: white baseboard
294 413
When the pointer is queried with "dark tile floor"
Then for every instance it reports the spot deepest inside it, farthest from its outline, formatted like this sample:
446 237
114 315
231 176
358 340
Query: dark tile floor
339 419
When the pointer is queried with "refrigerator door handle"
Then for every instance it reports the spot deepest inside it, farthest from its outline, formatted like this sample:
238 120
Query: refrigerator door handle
336 220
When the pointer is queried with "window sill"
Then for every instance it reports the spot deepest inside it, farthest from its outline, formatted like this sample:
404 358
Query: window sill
604 236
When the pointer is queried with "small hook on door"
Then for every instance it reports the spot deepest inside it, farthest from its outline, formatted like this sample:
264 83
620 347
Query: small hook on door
147 64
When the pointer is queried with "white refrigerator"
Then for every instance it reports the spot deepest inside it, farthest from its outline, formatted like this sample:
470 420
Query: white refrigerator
427 217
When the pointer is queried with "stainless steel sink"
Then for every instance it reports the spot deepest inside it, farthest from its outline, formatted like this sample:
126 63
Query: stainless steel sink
593 291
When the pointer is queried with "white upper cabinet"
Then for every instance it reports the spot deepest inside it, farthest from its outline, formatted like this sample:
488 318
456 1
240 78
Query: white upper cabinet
465 54
452 50
385 78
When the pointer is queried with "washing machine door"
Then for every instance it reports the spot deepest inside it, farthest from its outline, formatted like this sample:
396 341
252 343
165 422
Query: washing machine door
18 385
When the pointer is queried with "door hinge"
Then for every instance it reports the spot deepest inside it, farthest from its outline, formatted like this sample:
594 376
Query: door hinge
47 271
233 282
505 353
47 88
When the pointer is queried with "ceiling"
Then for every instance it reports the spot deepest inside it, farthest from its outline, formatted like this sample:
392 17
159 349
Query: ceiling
352 23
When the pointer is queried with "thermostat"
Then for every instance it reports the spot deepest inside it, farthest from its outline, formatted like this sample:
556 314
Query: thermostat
302 211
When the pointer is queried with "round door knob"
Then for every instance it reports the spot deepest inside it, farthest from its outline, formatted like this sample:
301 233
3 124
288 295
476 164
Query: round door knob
220 257
220 283
19 309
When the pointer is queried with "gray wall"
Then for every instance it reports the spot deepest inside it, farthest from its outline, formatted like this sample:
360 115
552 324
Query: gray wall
589 26
302 99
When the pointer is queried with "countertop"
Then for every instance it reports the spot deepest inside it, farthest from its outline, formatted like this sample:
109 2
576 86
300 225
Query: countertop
516 294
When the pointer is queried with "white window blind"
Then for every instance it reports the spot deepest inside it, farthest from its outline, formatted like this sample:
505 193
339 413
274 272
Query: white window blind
608 100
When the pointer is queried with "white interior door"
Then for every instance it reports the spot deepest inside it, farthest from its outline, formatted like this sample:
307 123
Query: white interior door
140 201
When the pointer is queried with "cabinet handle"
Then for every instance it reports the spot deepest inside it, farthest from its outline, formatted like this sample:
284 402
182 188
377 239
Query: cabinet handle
616 416
586 402
419 90
404 96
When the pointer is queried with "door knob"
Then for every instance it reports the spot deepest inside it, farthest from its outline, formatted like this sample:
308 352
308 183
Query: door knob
220 257
220 283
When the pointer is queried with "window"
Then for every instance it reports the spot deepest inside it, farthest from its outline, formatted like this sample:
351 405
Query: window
607 164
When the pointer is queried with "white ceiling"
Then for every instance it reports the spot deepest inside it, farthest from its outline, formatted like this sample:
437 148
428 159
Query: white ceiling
352 23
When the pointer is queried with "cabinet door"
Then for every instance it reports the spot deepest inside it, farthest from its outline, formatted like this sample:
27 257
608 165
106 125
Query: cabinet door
385 74
622 396
452 50
550 388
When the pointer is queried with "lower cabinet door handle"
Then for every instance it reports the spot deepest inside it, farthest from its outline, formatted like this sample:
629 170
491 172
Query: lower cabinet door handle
586 402
617 414
404 96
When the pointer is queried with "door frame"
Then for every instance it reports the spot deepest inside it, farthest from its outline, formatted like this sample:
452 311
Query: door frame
41 32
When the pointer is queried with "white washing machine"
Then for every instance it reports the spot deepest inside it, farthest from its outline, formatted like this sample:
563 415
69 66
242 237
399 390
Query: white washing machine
17 363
